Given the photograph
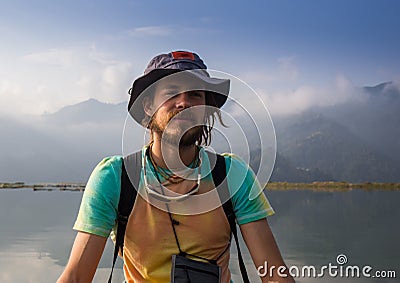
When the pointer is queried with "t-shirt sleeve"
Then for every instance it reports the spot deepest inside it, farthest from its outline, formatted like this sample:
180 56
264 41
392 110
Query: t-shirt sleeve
241 181
99 205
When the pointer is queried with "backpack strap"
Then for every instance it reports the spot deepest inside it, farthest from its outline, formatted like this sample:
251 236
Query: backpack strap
128 196
127 199
220 181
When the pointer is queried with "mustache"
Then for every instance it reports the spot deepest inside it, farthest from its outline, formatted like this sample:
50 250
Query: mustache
187 115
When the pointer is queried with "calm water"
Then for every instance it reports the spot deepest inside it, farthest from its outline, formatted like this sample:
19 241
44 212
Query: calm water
311 229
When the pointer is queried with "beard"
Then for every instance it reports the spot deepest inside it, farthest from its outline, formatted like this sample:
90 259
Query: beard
175 134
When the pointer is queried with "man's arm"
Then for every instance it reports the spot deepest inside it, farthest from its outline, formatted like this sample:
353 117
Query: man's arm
85 256
263 248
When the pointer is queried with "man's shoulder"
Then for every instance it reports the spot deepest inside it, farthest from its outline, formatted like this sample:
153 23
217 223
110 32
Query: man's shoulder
235 160
226 155
112 165
108 166
112 161
232 160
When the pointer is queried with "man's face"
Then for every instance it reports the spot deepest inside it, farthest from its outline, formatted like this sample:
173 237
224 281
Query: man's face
179 112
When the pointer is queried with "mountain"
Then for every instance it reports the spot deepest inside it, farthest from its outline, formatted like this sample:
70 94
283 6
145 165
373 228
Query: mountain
63 146
313 142
30 154
386 90
374 119
286 171
357 141
89 111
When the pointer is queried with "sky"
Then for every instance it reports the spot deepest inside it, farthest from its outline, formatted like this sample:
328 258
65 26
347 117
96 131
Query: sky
294 54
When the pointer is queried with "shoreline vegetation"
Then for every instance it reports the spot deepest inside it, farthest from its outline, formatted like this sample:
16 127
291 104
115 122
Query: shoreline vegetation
332 186
45 186
274 186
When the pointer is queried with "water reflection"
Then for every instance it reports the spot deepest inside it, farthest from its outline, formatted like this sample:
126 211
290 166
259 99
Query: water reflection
311 229
36 236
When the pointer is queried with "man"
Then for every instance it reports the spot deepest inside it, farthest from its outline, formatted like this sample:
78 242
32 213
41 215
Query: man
177 209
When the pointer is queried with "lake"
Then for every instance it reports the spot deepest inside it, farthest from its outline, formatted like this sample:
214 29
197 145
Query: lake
311 228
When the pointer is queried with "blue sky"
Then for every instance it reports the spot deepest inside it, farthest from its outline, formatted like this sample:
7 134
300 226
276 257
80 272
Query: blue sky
56 53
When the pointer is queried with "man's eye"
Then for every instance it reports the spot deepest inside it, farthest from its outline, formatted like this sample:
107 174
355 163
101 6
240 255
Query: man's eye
197 94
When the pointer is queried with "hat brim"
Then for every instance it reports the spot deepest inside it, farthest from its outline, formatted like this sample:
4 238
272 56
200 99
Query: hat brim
218 88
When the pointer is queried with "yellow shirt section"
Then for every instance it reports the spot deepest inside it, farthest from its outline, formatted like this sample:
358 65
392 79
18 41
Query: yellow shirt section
150 241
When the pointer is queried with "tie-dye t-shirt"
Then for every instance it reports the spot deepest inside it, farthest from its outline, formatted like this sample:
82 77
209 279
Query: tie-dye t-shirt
149 237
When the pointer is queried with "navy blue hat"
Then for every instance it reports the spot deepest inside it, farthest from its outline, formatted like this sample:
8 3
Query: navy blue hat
167 64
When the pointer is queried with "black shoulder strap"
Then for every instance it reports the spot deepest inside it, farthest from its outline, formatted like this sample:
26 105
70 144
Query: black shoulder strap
126 200
219 177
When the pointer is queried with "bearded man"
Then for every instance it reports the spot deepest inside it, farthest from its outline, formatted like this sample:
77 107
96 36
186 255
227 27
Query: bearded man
178 217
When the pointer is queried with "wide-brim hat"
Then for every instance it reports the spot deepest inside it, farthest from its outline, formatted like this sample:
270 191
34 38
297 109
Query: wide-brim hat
178 65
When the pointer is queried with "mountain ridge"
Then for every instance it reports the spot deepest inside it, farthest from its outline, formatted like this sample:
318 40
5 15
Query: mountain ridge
349 142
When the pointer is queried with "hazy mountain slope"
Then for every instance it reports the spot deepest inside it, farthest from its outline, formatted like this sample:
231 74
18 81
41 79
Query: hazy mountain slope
311 141
30 155
89 111
285 171
63 146
375 119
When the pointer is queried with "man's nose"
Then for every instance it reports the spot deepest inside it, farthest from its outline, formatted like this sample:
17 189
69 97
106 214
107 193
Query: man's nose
182 100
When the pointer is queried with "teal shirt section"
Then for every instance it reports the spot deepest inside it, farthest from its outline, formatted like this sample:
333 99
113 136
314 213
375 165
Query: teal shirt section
99 205
241 179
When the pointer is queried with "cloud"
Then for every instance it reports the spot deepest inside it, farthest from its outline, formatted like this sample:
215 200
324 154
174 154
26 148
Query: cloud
112 73
285 92
395 85
47 80
284 70
171 30
287 68
151 30
308 96
56 57
9 87
289 102
11 94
